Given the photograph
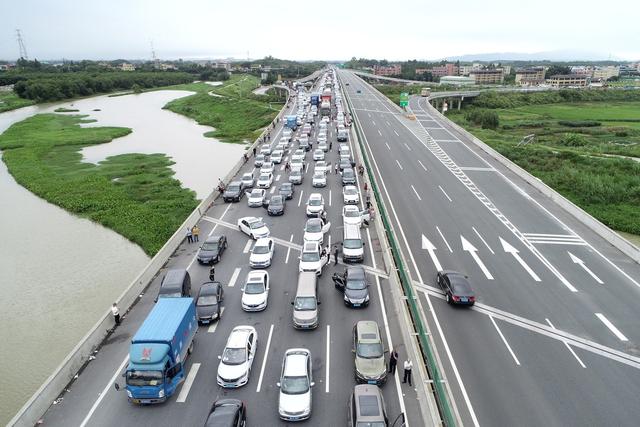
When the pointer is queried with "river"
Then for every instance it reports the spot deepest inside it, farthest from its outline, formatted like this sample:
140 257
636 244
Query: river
59 273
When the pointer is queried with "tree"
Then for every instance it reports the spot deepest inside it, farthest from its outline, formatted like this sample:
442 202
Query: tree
557 69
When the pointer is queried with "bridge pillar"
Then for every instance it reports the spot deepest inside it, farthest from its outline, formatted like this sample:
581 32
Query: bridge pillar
459 103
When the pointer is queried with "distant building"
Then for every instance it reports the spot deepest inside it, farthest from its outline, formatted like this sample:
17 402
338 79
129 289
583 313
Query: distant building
530 76
127 67
225 65
457 80
164 67
445 70
465 70
582 70
568 80
605 73
488 76
388 70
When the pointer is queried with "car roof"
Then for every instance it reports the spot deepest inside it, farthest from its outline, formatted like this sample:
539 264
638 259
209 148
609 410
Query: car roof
350 208
263 241
256 274
296 362
368 402
314 220
209 288
315 196
310 246
368 331
239 336
355 272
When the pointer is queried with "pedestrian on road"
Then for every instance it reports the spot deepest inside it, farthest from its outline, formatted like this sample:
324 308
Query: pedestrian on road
212 273
116 313
254 151
323 254
336 168
335 254
330 145
366 187
327 250
368 197
407 371
393 361
196 233
189 235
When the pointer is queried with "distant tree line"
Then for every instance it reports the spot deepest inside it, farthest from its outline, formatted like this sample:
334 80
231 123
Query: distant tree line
492 99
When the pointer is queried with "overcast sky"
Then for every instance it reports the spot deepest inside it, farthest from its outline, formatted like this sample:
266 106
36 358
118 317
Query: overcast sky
327 29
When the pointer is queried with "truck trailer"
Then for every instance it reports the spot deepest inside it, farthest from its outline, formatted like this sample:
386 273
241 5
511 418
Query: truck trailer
292 122
159 349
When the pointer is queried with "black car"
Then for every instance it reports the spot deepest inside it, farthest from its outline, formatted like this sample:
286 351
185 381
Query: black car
212 249
227 413
210 296
233 192
348 176
456 287
276 205
353 282
286 189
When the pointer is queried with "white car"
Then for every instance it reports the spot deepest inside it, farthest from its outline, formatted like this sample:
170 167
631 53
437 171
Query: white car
350 195
299 154
311 259
285 140
253 227
304 139
318 154
343 148
247 180
256 198
267 167
322 139
296 381
237 357
315 204
319 179
321 166
265 149
297 164
255 292
351 215
315 229
286 135
276 156
265 180
262 253
324 147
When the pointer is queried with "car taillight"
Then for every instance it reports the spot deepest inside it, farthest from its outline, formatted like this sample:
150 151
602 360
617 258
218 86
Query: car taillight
456 298
472 299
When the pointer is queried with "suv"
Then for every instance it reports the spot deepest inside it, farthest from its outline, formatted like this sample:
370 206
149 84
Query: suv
366 407
370 366
315 204
355 286
233 192
296 381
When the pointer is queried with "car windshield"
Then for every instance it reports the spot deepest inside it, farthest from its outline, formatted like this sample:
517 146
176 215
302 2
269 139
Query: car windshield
314 226
263 178
234 356
256 193
370 424
347 173
210 246
370 350
350 191
261 249
285 187
356 284
257 224
310 256
315 202
352 243
254 288
305 303
318 175
142 378
233 187
351 213
294 385
205 300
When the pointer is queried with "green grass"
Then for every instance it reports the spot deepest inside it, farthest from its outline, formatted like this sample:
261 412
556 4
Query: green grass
133 194
237 115
571 159
10 101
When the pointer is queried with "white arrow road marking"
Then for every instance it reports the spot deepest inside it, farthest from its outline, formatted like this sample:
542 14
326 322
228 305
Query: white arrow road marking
429 247
578 261
467 246
513 251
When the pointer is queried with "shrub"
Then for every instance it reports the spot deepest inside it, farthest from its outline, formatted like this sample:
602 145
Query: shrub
573 140
578 123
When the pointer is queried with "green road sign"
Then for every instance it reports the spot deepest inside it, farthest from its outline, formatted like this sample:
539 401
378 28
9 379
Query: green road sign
404 99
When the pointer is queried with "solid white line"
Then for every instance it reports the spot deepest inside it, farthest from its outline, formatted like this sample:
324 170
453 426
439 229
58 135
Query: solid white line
214 325
423 166
387 144
414 190
611 327
405 144
444 240
485 243
300 198
247 247
504 340
191 376
399 165
329 197
445 194
234 277
568 346
394 131
104 392
328 360
264 360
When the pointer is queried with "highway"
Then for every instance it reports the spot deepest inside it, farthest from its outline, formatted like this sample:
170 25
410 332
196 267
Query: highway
93 401
554 338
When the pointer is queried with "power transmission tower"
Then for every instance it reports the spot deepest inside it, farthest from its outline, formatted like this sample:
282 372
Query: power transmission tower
154 58
21 46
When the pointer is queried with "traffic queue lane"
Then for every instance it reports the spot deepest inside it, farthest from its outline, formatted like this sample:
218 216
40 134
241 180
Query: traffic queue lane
504 358
92 399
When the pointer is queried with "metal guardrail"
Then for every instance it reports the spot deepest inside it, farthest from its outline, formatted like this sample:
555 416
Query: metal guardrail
444 407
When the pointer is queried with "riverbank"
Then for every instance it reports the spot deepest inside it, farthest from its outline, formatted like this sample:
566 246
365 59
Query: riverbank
10 101
133 194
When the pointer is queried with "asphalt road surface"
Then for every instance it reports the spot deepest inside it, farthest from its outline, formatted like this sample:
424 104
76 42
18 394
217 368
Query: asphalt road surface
553 339
93 401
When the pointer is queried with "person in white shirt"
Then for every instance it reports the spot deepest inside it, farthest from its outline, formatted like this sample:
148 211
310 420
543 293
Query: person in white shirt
407 371
116 313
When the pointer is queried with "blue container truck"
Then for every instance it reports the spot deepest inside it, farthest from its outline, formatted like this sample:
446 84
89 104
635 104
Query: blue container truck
159 349
315 99
292 122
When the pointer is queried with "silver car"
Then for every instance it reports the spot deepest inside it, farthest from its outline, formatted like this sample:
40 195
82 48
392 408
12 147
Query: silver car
296 381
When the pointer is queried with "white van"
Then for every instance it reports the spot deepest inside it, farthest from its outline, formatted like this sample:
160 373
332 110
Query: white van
352 244
305 305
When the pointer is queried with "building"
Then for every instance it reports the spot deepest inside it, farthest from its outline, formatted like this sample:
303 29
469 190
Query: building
568 80
487 76
465 70
389 70
164 66
225 65
457 80
605 73
530 76
445 70
127 67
